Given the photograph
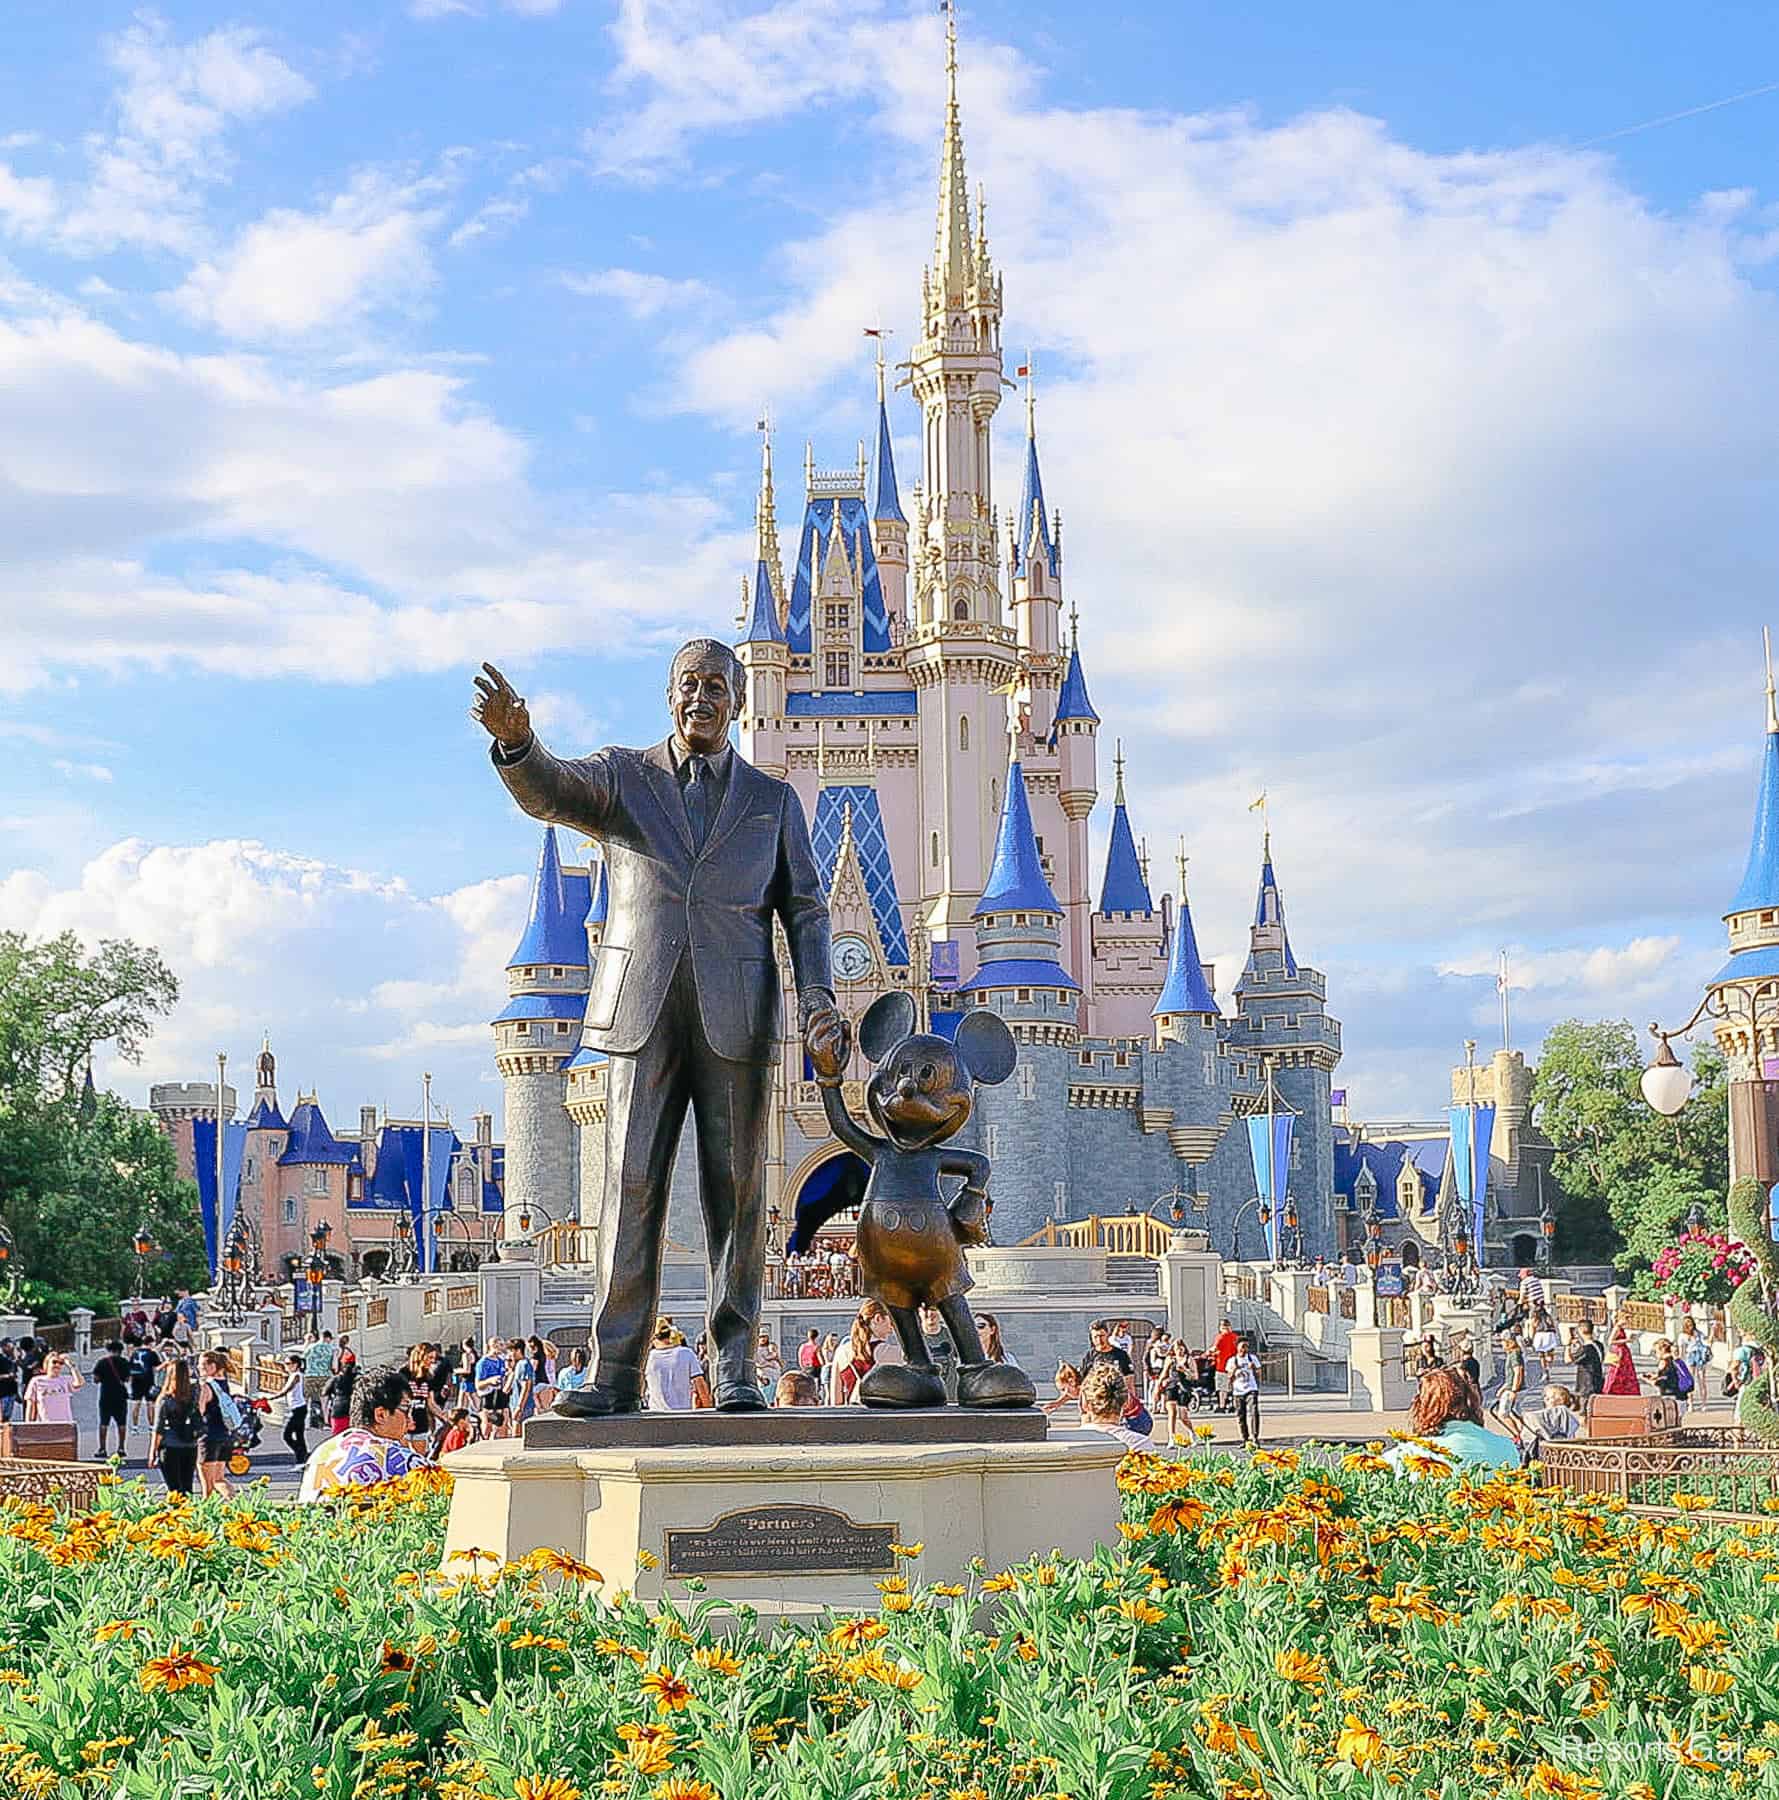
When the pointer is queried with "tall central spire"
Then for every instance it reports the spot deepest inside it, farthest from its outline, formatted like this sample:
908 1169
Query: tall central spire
766 517
954 264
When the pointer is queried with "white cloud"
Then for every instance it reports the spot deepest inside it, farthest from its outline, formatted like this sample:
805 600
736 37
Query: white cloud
293 274
81 771
642 295
175 105
267 938
27 203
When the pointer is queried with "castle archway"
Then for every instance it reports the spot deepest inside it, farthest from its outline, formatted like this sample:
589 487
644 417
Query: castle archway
835 1182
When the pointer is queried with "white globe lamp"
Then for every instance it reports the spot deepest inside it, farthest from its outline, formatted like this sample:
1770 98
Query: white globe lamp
1666 1083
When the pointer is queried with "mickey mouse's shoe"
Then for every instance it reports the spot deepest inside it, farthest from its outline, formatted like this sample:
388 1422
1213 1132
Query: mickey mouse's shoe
994 1384
902 1385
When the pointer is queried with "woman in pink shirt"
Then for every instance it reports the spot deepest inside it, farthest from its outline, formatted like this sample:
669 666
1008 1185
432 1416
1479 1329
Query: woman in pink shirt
49 1399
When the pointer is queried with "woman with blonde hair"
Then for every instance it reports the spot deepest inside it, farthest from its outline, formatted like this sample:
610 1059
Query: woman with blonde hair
1068 1388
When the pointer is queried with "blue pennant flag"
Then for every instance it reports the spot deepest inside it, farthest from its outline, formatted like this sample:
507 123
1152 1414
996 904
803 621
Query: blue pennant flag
1470 1166
1271 1152
218 1212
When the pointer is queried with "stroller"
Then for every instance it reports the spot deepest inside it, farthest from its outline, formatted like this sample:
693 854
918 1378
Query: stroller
244 1430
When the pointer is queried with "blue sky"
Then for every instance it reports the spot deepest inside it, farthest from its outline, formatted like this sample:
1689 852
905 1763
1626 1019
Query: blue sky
1410 410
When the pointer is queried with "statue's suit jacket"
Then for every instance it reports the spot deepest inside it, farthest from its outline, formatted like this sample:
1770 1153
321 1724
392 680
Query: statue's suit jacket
668 898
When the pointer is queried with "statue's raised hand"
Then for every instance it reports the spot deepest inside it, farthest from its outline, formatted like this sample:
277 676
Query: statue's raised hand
499 711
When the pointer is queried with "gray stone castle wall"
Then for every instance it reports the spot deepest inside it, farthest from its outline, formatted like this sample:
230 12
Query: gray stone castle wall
542 1160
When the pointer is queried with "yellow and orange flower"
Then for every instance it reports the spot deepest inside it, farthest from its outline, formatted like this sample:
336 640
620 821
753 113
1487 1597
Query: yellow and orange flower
174 1672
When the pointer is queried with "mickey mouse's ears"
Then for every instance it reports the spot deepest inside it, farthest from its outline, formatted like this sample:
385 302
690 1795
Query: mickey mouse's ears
985 1046
888 1019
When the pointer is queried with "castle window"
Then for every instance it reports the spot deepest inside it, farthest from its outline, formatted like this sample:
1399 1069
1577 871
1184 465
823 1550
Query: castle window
1086 1059
960 611
315 1180
1024 996
556 973
935 849
1121 1060
247 1169
562 1028
1040 844
837 669
963 734
837 616
290 1209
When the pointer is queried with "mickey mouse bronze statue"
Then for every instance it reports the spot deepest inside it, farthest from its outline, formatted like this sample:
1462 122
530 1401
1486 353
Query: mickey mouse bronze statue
911 1236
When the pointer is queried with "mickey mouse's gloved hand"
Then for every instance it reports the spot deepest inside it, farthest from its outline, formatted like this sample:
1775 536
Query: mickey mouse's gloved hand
969 1215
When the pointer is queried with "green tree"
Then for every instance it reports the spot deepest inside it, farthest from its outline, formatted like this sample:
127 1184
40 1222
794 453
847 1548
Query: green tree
79 1173
1616 1157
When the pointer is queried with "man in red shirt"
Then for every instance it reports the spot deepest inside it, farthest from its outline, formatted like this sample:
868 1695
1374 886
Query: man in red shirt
1221 1353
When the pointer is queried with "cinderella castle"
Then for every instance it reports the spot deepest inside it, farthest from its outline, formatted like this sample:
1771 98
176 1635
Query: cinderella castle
910 674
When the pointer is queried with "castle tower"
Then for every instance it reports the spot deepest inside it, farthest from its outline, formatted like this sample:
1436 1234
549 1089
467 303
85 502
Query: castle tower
1282 1019
536 1034
961 657
265 1115
1748 983
1034 567
764 654
1018 935
1074 734
1127 933
889 527
1187 995
586 1074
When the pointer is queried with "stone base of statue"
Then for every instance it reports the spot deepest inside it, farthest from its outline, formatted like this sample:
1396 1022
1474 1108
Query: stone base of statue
788 1510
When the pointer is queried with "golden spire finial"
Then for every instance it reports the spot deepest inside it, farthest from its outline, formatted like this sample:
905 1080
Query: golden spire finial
1180 860
1074 628
1118 771
1031 399
1766 638
1143 858
953 258
766 514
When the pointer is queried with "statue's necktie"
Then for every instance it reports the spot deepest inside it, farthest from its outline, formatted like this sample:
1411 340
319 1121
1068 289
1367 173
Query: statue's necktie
698 799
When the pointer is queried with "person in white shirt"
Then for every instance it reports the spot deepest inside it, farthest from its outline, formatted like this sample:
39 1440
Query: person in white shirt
1244 1384
673 1378
768 1364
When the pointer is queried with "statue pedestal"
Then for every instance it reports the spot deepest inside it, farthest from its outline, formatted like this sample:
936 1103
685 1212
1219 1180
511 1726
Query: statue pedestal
788 1527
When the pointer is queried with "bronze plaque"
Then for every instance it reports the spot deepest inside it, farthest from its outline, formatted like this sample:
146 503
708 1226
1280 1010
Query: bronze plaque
785 1539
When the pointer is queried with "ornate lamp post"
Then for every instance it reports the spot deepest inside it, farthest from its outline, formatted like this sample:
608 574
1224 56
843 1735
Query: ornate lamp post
144 1246
1374 1236
236 1271
403 1262
471 1253
1547 1226
1294 1255
1262 1210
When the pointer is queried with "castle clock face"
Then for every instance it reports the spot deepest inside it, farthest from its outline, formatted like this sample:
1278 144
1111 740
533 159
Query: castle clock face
852 957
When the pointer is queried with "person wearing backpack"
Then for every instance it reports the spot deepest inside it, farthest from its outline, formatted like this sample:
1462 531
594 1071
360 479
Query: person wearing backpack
338 1394
144 1366
220 1412
178 1429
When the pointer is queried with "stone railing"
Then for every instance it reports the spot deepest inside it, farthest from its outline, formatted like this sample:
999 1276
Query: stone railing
376 1312
1123 1234
1643 1315
1318 1301
568 1244
1347 1300
1580 1309
466 1297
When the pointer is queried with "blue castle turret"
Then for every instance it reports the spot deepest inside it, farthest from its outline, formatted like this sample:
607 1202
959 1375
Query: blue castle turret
1282 1020
1018 924
538 1031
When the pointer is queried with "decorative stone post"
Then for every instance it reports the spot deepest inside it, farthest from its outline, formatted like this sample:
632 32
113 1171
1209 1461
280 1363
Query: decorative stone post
81 1318
1375 1382
510 1290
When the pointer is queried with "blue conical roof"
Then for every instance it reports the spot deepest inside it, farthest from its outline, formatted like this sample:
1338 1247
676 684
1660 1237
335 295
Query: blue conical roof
762 625
1269 906
1031 507
552 932
886 502
1016 879
311 1140
266 1116
1124 889
1072 702
1760 879
1185 990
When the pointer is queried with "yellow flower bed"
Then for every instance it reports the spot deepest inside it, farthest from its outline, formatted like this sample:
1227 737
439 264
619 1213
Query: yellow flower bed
1278 1629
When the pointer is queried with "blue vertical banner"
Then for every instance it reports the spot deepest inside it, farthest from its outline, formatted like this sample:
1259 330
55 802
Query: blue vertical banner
1470 1166
1271 1153
217 1211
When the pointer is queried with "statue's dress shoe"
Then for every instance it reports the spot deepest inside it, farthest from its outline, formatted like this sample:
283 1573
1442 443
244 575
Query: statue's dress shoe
994 1384
902 1385
595 1403
740 1396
